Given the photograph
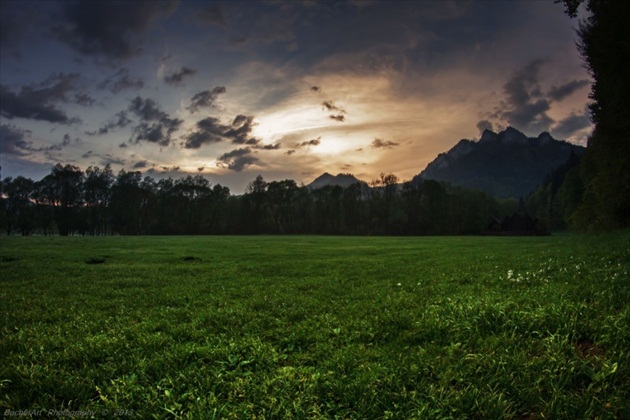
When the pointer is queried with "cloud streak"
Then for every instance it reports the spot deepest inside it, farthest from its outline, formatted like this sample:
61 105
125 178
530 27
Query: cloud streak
120 120
558 93
383 144
121 80
177 78
313 142
205 99
209 130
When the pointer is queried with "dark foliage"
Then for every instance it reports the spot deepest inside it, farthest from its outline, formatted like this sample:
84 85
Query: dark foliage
71 202
605 46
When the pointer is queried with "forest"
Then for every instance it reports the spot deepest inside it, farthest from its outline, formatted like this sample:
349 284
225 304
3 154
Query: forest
69 201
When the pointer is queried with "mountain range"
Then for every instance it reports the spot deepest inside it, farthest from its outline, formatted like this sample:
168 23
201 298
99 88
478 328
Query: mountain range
342 180
505 164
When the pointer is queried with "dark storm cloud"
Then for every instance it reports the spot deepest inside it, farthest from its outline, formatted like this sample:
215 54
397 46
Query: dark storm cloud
159 132
155 126
146 109
316 89
13 140
214 15
205 99
339 118
289 152
383 144
140 164
109 29
121 80
275 146
558 93
19 20
38 101
240 132
105 159
209 130
25 105
571 125
178 77
237 159
120 120
525 107
313 142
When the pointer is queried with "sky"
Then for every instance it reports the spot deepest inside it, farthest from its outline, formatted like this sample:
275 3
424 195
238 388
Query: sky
283 89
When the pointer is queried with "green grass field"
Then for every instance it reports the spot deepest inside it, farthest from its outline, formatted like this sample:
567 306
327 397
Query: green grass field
310 327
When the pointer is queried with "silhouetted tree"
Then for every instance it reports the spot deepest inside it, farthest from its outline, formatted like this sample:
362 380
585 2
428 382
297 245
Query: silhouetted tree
354 209
434 208
327 209
97 194
280 196
191 195
216 210
253 202
126 203
62 189
18 206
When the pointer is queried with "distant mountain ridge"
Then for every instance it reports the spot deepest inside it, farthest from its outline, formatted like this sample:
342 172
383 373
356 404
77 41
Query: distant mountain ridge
342 180
505 164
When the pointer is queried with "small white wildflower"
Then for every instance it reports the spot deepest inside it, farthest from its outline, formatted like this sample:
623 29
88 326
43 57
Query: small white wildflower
399 284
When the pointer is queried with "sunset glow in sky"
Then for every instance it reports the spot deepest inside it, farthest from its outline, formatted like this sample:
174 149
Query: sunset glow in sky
285 89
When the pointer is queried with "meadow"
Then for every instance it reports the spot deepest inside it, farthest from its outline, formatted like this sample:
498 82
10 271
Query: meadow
316 327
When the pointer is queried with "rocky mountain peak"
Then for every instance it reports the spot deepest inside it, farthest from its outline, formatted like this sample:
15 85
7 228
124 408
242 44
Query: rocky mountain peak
507 164
513 136
488 136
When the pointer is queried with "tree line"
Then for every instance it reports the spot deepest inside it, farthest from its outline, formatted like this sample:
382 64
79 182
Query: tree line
69 201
